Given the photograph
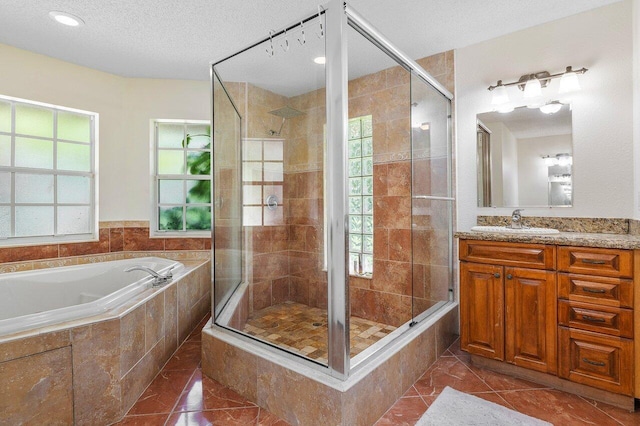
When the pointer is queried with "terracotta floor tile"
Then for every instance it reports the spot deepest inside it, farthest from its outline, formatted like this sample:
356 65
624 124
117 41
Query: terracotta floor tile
227 417
406 411
147 420
163 393
502 382
623 416
187 357
203 393
557 407
411 392
449 371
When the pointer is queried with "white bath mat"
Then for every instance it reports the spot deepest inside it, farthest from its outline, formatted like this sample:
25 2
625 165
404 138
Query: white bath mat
457 409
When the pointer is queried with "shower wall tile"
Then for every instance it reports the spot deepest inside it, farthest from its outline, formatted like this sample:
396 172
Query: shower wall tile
397 76
280 290
392 212
367 84
399 179
434 64
41 390
261 295
400 245
392 277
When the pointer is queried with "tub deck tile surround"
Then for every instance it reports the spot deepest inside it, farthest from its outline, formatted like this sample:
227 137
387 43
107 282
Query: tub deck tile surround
111 360
113 237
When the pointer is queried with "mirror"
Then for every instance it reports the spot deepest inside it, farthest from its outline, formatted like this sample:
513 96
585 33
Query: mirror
525 158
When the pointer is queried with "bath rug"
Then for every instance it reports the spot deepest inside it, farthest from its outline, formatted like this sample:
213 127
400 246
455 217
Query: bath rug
457 409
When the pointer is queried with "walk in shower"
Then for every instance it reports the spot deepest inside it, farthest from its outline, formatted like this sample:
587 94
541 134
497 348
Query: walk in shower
333 192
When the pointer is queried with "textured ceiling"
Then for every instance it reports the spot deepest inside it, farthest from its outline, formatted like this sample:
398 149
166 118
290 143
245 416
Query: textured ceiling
178 39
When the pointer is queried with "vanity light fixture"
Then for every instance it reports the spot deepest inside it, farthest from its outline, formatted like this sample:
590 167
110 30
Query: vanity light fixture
532 85
320 60
65 18
564 159
549 160
425 126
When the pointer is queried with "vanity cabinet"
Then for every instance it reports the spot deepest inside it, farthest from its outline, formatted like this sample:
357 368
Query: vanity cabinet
508 303
561 310
595 317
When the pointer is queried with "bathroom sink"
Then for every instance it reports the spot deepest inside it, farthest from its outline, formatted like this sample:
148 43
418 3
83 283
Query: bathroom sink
507 230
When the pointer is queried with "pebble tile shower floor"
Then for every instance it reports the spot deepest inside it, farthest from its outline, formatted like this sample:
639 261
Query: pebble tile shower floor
303 329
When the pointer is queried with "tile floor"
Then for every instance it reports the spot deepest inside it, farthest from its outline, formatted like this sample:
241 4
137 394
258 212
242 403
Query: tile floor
303 329
180 395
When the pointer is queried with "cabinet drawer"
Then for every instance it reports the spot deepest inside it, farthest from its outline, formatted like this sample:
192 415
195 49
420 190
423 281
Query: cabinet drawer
603 291
600 319
592 359
595 261
536 256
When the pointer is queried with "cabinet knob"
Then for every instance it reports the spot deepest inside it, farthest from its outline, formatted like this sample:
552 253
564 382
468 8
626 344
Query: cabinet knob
497 275
509 276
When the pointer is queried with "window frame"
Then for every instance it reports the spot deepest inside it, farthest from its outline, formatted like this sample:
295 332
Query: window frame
92 175
154 231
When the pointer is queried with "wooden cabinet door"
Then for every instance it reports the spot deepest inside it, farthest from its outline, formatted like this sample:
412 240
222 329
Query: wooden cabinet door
481 310
531 319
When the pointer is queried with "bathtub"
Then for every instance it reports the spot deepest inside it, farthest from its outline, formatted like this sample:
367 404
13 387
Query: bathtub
45 297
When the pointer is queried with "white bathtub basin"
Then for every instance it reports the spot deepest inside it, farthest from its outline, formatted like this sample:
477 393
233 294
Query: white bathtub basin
507 230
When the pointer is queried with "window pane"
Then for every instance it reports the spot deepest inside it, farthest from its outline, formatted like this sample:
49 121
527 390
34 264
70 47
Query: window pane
355 186
170 218
5 150
198 191
171 191
367 205
198 136
367 185
5 221
355 149
251 216
355 223
5 187
273 172
273 151
74 127
251 194
170 135
367 166
354 129
199 218
74 190
199 162
367 126
368 224
34 220
252 151
367 259
34 121
355 167
34 153
34 188
367 243
355 205
73 220
367 147
170 162
73 156
251 172
5 117
355 243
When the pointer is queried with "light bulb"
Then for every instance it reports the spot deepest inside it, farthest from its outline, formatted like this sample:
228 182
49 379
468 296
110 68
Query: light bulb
320 60
569 82
425 126
532 89
564 159
503 109
66 18
500 95
551 107
549 161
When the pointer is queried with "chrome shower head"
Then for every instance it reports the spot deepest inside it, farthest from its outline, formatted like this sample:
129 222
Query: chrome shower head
284 112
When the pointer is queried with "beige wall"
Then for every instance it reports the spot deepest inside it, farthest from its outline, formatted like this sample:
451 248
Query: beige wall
125 106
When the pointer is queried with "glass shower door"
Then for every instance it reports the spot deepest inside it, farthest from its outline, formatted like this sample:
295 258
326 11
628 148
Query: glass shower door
432 198
227 164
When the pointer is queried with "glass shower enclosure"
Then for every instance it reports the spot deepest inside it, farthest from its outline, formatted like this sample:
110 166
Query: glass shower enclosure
332 192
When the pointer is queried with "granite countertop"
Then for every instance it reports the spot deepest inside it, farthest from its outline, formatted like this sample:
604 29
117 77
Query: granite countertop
582 239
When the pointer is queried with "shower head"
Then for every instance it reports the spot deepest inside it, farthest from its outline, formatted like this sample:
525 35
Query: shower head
284 112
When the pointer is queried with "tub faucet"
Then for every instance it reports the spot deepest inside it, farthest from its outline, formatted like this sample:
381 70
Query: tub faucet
158 279
516 219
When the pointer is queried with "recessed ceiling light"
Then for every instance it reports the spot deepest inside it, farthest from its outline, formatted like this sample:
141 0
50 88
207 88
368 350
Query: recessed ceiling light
66 19
320 60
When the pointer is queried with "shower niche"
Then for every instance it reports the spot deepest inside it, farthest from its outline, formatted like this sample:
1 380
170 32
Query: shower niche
332 222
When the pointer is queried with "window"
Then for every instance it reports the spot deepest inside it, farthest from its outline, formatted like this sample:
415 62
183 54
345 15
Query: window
47 172
262 182
361 196
182 177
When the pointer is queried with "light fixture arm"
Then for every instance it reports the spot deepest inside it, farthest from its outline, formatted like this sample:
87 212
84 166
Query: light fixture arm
543 76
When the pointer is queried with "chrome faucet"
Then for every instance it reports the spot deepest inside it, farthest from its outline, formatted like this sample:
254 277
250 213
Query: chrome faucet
158 279
516 219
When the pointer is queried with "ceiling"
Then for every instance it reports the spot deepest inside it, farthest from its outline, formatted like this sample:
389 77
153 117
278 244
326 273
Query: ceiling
178 39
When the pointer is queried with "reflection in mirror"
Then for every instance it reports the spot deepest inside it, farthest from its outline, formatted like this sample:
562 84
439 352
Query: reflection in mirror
525 158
